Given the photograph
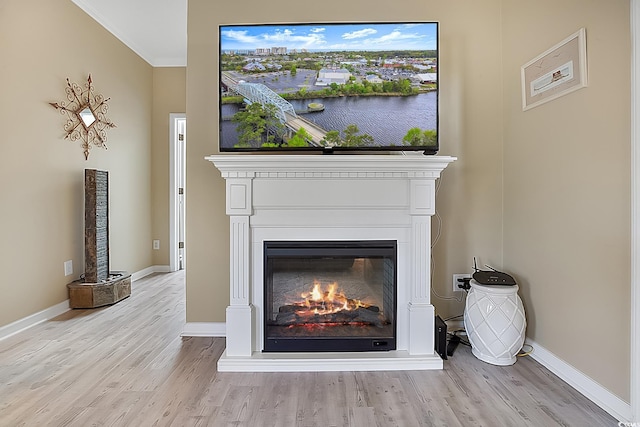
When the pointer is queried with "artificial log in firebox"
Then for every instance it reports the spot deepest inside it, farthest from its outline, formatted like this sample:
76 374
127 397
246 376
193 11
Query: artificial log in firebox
301 314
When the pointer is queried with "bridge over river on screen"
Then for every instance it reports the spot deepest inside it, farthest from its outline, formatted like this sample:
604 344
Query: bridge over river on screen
257 92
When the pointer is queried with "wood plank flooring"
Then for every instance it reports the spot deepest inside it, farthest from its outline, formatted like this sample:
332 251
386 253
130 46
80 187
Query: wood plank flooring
126 365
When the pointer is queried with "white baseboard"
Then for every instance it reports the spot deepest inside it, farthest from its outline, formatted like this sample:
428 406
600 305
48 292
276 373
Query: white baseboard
32 320
150 270
616 407
204 329
58 309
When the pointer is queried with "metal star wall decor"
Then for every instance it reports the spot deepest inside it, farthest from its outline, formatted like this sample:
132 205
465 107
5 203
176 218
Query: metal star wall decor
86 116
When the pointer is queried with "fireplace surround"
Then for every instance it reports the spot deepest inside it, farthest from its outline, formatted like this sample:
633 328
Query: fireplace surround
330 198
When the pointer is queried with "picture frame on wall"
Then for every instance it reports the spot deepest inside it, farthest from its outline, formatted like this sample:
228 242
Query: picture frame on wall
556 72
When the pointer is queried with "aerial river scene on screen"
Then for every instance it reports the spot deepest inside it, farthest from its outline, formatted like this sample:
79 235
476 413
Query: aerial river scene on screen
357 86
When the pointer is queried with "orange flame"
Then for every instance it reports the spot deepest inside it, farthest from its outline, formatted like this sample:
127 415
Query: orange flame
330 301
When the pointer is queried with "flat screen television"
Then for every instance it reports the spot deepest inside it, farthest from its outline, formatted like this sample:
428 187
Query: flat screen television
329 87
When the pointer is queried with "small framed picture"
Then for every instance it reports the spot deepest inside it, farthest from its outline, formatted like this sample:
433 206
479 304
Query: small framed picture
556 72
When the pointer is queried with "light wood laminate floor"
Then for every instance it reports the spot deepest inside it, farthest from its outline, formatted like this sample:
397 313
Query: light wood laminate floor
126 365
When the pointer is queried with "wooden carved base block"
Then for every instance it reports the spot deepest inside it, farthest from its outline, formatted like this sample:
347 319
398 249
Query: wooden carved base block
91 295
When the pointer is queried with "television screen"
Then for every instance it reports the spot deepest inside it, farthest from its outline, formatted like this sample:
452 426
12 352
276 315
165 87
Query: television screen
329 87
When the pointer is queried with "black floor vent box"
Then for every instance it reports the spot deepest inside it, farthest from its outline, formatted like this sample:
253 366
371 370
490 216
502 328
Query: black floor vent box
441 338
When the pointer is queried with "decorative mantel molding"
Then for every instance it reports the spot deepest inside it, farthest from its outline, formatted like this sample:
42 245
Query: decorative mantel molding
330 166
338 197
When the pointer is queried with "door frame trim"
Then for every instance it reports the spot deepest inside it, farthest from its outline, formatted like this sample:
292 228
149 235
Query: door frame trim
173 193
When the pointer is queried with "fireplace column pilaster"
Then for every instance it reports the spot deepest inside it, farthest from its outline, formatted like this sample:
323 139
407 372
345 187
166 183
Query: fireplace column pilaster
421 312
240 312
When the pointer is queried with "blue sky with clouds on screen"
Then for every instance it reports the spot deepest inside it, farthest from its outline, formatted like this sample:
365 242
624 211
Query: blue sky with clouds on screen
328 37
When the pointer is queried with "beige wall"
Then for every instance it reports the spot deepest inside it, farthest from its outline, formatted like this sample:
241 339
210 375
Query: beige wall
470 195
562 174
42 42
169 96
567 188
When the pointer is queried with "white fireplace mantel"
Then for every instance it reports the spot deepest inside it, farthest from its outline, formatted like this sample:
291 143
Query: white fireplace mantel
330 197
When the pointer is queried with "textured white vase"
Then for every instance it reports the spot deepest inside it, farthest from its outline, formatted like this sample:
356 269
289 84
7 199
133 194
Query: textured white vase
495 322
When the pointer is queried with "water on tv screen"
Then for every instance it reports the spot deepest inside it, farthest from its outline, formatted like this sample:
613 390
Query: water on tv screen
356 86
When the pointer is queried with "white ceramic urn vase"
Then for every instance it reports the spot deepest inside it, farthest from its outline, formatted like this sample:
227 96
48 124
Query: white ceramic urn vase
495 322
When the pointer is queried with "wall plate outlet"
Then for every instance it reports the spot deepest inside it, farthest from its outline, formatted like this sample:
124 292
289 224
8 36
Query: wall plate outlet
456 283
68 268
156 244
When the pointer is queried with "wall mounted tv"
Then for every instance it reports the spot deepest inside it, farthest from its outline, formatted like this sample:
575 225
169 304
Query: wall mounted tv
329 87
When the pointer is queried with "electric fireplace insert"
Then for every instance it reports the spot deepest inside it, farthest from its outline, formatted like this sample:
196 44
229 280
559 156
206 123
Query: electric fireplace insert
327 296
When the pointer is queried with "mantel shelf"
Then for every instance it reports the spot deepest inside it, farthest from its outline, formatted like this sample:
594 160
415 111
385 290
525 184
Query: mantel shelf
235 164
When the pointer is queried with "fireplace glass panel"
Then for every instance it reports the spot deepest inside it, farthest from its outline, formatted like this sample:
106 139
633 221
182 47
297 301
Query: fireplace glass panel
330 296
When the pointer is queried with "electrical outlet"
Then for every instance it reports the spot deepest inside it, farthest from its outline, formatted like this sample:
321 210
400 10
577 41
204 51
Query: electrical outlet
156 244
68 268
456 283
